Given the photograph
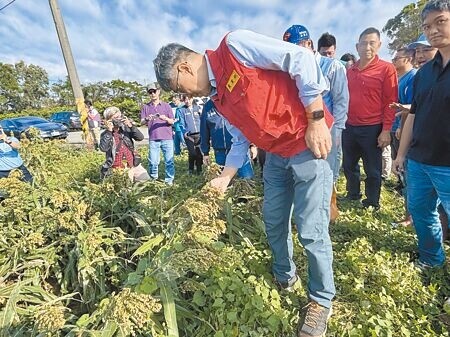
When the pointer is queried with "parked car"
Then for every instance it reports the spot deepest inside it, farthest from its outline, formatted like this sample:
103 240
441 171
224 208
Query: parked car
21 125
71 119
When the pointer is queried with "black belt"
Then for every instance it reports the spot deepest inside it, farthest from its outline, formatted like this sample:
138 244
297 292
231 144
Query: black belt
193 133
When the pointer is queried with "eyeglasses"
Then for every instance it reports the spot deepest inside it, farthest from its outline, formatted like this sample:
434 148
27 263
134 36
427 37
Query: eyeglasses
151 91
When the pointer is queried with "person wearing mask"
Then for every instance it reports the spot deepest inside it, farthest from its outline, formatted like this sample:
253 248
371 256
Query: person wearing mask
326 46
348 60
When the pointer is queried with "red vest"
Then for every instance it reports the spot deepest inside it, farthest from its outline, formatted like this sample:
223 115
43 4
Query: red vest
263 104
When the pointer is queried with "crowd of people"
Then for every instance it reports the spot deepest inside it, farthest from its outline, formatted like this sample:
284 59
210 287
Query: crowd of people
306 113
302 109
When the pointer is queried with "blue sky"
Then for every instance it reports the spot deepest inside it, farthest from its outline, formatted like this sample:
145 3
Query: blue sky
113 39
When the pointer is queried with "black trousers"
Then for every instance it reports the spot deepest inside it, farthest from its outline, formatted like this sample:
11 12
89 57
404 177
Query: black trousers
361 142
26 175
195 156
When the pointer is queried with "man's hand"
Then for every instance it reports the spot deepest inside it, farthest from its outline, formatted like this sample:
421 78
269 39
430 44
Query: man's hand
206 160
127 122
318 138
384 139
398 165
401 108
221 183
398 133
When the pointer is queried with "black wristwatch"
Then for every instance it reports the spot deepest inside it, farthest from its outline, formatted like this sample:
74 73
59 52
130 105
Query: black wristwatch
316 115
9 142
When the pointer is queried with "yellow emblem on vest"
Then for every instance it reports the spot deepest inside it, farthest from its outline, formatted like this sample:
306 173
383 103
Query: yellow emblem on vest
232 81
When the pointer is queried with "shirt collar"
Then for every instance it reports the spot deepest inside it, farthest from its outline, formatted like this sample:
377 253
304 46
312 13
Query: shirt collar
372 63
212 79
437 60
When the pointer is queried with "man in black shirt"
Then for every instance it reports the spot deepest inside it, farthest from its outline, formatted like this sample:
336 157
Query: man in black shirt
426 138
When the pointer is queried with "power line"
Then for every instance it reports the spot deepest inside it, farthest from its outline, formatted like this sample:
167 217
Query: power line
9 3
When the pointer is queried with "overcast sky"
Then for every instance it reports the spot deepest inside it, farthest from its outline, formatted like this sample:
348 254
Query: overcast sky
113 39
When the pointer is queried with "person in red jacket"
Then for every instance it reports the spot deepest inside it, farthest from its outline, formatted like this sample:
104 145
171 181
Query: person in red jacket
373 85
269 91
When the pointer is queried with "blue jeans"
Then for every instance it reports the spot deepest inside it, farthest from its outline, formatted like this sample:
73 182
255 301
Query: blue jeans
335 155
178 139
154 157
306 183
427 184
245 172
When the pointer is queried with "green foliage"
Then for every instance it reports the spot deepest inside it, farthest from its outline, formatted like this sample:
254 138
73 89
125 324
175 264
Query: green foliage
406 26
22 86
83 257
63 92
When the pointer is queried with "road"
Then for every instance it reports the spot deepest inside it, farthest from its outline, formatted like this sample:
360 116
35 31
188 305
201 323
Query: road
75 137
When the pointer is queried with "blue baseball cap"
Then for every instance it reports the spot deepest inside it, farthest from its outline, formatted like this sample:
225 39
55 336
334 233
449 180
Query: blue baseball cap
421 41
295 34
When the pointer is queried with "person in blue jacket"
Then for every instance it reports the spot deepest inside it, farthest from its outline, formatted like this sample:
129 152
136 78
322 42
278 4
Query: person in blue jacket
178 139
213 132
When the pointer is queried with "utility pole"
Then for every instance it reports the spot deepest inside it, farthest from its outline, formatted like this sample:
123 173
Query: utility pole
71 69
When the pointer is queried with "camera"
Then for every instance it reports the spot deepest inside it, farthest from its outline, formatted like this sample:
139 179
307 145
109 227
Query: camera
157 115
119 122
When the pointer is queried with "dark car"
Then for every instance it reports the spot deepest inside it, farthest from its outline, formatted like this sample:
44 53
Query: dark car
71 119
21 125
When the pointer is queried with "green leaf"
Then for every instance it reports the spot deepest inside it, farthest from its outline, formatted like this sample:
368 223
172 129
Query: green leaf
133 278
9 313
148 285
83 321
170 313
110 329
199 298
144 248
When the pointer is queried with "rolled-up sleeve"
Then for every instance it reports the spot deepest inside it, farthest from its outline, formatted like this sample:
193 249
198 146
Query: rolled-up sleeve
259 51
339 94
239 148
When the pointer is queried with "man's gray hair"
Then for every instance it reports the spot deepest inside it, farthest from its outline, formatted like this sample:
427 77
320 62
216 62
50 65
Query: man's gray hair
435 6
164 63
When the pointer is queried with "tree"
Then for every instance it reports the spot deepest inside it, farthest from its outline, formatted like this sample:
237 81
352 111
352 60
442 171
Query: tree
62 92
9 88
406 26
33 82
